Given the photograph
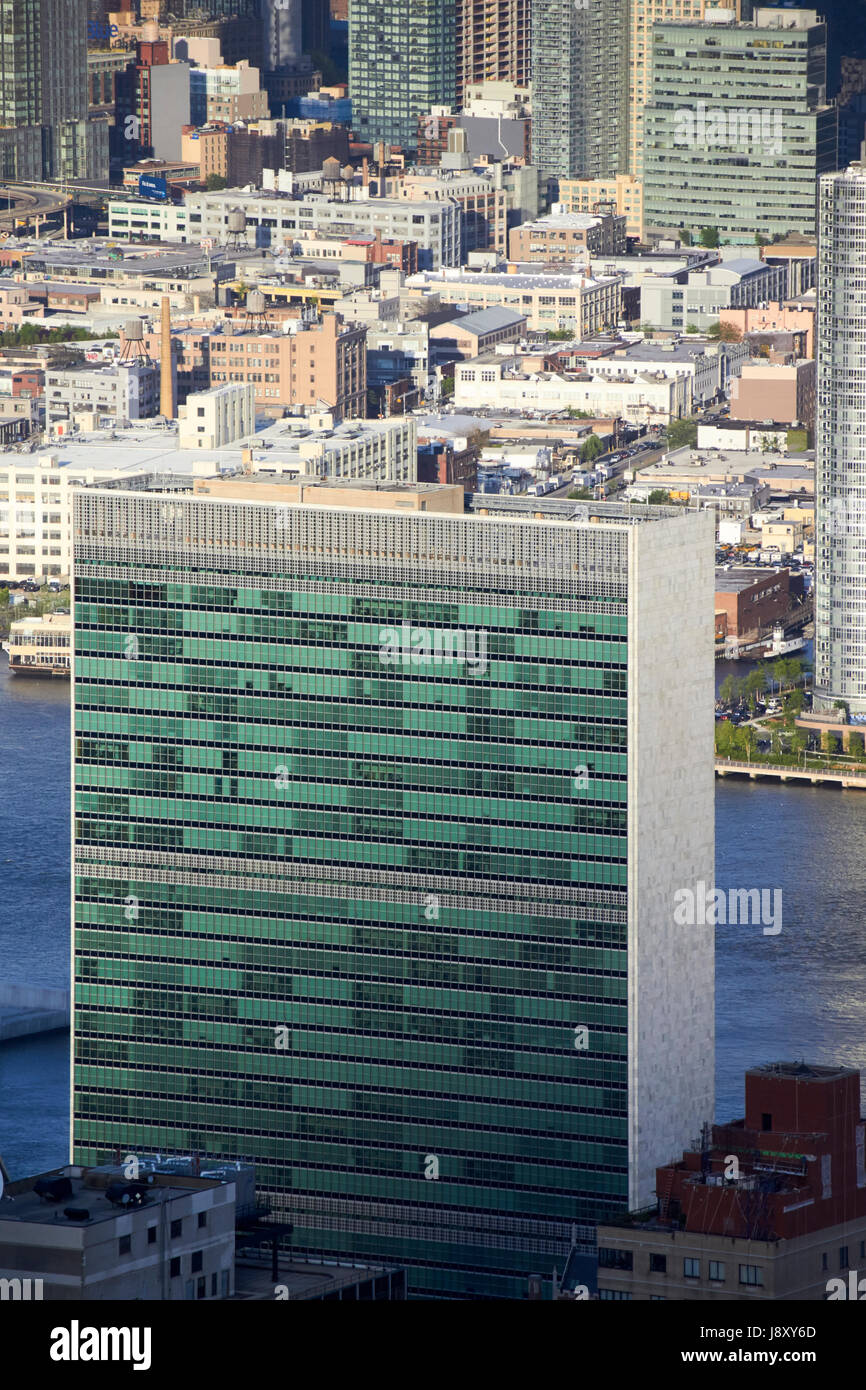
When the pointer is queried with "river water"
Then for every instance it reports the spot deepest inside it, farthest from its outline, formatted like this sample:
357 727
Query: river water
799 994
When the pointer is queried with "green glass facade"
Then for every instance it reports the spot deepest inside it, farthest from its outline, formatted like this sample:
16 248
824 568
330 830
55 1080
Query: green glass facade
738 127
402 62
344 917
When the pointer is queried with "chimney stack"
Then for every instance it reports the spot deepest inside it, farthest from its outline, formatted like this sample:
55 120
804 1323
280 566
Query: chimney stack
166 377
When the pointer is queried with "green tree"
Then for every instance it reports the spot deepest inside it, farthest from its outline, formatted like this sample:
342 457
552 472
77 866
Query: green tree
724 332
447 387
214 183
855 743
725 744
580 494
732 689
591 448
709 236
756 684
659 498
799 742
682 434
794 703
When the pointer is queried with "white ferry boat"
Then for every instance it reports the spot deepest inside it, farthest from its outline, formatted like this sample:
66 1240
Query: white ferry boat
40 646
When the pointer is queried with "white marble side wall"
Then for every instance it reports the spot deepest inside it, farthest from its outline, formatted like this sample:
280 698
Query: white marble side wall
671 841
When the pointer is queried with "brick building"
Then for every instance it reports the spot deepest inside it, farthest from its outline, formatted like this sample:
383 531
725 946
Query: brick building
568 236
749 600
318 361
785 394
771 1206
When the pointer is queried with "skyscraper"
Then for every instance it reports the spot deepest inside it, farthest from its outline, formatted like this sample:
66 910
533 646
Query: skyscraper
401 63
580 88
43 89
492 42
840 452
380 812
643 14
739 127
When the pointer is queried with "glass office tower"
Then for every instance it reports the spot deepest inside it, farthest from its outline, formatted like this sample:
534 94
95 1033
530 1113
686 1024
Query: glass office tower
379 816
402 62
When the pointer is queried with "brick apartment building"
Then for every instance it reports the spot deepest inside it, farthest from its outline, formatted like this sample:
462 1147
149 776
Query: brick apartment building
238 156
771 1206
297 365
452 461
317 361
568 236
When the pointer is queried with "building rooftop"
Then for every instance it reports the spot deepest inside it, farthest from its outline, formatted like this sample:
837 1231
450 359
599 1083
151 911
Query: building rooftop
84 1191
489 320
458 275
732 581
562 221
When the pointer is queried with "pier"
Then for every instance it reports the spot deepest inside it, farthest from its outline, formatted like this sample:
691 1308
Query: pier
740 767
28 1009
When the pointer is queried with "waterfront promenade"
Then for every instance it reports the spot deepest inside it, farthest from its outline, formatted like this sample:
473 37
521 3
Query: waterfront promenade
840 777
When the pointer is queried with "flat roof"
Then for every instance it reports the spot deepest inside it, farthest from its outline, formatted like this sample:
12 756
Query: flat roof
743 577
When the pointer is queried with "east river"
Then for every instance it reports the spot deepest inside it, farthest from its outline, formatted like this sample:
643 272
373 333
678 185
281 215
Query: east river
798 994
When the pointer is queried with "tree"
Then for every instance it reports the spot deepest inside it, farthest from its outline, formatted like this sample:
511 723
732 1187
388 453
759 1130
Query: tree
591 448
799 742
725 745
447 387
659 498
578 414
732 689
756 684
685 236
855 742
682 434
580 494
724 332
709 237
214 183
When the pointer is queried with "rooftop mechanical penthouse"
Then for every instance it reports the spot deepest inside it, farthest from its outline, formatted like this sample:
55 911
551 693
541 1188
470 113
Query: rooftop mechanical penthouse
398 930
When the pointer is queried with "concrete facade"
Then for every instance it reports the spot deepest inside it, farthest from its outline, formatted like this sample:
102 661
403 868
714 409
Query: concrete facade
218 417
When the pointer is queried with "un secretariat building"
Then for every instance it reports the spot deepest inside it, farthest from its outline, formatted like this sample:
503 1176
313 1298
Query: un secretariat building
380 808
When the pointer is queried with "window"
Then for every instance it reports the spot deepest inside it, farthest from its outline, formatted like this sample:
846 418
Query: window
174 1268
202 1219
611 1295
124 1245
609 1258
196 1263
213 1285
751 1274
201 1288
691 1269
176 1229
717 1271
658 1264
843 1257
766 1120
151 1235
